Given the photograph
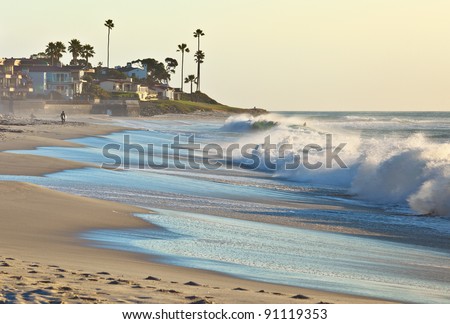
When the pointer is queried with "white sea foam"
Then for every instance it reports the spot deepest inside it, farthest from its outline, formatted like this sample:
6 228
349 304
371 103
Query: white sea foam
395 170
239 123
359 118
413 170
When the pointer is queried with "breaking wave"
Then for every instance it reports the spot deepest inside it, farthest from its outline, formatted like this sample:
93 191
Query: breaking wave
410 170
243 123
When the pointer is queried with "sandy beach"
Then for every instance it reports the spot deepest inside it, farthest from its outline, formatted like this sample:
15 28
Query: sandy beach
297 157
42 259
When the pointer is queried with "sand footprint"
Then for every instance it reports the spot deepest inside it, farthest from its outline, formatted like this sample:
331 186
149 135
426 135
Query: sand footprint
192 283
300 296
170 291
202 301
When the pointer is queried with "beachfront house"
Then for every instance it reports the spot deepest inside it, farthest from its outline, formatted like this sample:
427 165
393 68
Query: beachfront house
117 85
128 87
13 83
47 80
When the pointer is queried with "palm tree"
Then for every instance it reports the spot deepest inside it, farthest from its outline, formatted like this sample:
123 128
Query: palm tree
183 49
87 52
60 48
199 58
55 50
190 78
51 51
75 48
110 25
197 34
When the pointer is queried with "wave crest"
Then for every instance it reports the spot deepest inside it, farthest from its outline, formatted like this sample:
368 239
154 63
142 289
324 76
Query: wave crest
394 170
245 123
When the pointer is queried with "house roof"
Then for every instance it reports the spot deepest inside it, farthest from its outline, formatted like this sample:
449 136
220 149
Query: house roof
162 87
116 81
24 61
128 69
54 69
33 62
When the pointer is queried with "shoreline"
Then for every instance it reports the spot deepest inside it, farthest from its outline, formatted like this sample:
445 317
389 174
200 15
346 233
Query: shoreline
50 244
26 134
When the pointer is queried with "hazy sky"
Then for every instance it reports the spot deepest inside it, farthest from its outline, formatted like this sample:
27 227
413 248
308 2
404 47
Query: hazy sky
276 54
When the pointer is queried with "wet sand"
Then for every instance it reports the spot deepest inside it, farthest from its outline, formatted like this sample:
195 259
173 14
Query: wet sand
42 260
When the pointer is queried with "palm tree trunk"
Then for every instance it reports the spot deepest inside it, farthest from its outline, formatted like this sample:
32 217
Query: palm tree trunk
108 49
191 87
182 66
198 67
198 76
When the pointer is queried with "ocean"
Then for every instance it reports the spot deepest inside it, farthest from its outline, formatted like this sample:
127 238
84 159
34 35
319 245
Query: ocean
348 202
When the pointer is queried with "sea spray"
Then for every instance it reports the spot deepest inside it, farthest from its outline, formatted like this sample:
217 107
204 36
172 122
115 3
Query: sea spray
433 197
413 171
385 169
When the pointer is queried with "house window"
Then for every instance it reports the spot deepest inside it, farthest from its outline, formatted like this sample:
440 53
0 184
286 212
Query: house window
60 77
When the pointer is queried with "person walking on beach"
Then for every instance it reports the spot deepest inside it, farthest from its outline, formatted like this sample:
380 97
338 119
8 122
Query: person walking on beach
63 117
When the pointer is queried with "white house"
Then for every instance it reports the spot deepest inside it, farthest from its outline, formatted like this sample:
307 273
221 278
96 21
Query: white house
127 85
117 85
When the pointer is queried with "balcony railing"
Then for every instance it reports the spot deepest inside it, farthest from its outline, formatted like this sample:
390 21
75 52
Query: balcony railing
64 81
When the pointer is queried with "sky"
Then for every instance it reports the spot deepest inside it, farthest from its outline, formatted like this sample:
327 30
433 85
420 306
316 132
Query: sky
303 55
